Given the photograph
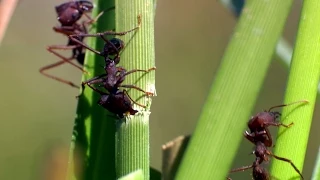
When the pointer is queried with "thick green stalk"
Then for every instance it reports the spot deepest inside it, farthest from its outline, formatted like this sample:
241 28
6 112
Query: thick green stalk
233 94
132 137
302 84
316 169
93 148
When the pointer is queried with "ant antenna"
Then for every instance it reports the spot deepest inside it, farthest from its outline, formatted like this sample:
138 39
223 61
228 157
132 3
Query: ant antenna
133 100
282 105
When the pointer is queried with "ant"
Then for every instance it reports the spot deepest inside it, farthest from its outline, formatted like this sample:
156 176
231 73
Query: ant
261 137
259 124
114 100
68 15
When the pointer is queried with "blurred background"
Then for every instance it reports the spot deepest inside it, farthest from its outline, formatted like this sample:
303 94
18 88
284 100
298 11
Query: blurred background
38 113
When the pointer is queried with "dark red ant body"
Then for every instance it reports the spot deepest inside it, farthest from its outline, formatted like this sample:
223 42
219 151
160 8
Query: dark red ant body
68 15
260 136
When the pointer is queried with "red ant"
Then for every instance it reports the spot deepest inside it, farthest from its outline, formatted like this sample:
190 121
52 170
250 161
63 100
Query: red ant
68 15
114 100
259 124
261 137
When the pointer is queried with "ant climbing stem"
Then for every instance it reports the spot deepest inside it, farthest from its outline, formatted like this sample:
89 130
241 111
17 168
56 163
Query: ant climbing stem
261 137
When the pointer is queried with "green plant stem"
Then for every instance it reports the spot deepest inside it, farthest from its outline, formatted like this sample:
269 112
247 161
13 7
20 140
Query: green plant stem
136 175
92 153
302 84
316 169
132 137
234 91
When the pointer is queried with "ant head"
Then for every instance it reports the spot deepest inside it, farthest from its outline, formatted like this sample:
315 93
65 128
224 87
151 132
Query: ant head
70 12
275 114
112 47
115 46
84 6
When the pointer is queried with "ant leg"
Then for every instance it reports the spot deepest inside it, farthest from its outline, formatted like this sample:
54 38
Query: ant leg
105 33
137 88
66 30
109 32
121 70
241 169
286 160
64 47
54 77
133 100
97 90
125 32
278 124
268 142
91 21
95 80
83 44
139 70
124 73
89 82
